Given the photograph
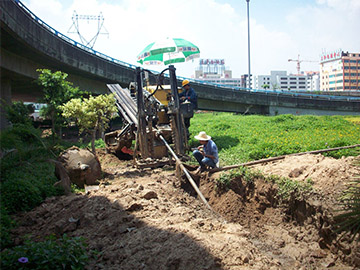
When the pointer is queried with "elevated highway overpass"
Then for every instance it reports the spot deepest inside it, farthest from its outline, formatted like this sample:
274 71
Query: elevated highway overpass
28 43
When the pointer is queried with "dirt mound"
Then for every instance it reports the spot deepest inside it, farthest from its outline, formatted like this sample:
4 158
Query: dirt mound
296 232
328 175
141 219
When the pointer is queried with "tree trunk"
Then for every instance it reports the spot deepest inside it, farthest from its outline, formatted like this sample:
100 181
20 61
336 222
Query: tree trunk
53 125
93 137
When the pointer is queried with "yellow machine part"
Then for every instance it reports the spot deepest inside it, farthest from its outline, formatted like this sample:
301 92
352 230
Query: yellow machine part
163 95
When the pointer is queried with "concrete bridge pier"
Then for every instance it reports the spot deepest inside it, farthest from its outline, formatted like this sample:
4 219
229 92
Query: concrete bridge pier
5 98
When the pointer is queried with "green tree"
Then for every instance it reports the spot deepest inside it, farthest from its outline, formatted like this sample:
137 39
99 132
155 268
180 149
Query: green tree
275 86
265 86
57 91
90 114
18 112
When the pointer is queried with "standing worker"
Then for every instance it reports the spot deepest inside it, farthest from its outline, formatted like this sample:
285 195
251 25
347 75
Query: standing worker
188 95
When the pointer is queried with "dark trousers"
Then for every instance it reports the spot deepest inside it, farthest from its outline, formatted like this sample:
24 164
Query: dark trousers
203 161
187 125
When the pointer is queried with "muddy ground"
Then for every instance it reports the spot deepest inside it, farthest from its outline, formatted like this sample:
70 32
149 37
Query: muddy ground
144 219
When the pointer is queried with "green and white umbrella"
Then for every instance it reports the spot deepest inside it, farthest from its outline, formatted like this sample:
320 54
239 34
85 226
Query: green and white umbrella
168 51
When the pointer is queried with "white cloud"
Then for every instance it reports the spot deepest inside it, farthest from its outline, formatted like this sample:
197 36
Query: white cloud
329 26
347 5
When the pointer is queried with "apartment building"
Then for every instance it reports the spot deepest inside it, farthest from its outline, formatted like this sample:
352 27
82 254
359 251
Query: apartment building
313 80
340 71
280 80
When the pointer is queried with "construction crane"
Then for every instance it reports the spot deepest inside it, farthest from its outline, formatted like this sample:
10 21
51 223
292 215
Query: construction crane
298 61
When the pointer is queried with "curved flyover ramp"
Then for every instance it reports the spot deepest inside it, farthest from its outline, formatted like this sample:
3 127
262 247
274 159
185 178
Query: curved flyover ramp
28 43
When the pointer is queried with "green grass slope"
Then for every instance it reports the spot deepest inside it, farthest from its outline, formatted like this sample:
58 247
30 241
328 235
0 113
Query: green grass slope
251 137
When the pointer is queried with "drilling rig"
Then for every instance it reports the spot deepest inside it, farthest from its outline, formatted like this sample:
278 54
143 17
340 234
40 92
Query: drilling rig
152 114
298 61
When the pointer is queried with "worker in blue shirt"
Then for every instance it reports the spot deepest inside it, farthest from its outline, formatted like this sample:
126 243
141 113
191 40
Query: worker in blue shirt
188 95
207 152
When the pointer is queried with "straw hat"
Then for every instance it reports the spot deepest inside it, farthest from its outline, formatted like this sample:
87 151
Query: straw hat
202 136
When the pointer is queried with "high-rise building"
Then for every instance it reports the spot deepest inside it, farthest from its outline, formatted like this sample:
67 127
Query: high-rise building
340 71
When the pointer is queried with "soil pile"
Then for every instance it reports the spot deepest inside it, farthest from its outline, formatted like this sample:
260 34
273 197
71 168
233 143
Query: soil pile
298 232
141 219
329 175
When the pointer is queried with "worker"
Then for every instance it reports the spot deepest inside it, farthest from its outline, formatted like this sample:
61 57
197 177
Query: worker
188 95
207 153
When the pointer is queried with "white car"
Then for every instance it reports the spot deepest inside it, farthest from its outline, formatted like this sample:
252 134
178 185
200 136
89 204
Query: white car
35 116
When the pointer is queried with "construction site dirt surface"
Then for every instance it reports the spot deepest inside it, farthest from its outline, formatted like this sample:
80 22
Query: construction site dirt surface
149 219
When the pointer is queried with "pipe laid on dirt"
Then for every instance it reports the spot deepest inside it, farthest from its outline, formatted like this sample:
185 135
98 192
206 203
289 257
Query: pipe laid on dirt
192 182
281 157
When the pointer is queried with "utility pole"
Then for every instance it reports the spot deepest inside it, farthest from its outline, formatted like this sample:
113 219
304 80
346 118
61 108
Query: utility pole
248 22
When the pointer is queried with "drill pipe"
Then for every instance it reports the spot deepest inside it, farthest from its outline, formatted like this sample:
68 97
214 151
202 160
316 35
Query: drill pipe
192 182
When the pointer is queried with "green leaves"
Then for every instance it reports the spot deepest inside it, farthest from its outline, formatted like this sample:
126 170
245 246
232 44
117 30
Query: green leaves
349 218
56 92
18 113
62 253
285 188
90 114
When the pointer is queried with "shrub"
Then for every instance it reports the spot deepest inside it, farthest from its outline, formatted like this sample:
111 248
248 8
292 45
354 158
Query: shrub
98 144
28 134
241 173
62 253
18 113
349 219
19 136
288 188
19 195
26 176
5 226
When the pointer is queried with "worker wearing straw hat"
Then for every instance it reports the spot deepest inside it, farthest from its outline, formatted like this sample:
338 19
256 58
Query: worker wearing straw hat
207 152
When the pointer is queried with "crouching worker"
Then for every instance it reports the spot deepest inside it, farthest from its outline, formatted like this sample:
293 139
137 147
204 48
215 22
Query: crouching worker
207 152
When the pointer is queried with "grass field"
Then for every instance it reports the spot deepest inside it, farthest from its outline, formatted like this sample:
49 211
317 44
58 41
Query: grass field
244 138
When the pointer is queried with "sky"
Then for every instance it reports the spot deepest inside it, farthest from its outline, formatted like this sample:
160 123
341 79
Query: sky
279 29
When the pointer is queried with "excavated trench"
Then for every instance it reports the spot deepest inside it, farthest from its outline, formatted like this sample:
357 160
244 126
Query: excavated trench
139 218
296 232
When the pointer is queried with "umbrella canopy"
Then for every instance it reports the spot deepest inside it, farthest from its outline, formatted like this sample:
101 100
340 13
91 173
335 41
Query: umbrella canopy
168 51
